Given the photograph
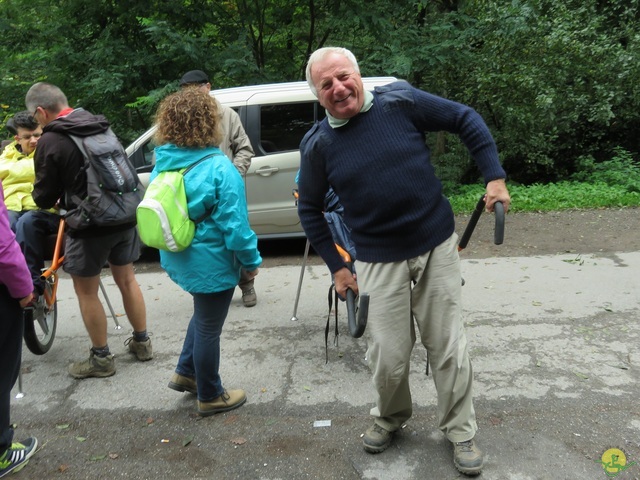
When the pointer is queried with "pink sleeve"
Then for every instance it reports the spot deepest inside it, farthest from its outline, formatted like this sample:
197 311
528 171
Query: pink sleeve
13 267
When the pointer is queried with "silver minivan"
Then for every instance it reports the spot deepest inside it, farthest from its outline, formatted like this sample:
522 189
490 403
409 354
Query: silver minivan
275 117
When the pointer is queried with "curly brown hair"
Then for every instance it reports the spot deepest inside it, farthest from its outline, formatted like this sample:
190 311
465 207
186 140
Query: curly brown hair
189 118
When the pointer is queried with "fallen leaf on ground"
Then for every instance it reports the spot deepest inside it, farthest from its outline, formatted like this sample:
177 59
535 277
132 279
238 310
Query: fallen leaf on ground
231 419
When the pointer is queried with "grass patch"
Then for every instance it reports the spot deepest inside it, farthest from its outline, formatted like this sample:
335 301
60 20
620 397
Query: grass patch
615 184
552 197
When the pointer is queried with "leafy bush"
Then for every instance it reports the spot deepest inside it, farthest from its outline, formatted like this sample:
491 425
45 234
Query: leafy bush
621 171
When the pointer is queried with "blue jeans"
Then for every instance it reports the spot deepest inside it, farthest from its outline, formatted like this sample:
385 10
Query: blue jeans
200 357
14 217
32 230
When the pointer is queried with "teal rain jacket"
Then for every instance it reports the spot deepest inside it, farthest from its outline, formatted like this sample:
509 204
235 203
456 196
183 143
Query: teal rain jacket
224 241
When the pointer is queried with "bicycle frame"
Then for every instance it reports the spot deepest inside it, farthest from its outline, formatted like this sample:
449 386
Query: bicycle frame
50 275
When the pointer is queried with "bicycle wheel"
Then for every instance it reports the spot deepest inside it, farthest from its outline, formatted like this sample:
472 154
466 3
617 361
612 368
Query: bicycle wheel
40 325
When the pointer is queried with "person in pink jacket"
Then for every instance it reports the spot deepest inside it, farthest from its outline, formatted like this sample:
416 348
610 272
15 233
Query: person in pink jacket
16 291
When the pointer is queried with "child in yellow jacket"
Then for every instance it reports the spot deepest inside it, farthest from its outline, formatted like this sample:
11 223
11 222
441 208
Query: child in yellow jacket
16 167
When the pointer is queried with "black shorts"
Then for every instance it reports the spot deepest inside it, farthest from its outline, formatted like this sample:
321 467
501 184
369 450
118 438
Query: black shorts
85 257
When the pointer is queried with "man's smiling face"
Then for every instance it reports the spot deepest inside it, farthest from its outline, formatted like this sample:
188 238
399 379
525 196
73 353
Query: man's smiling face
339 86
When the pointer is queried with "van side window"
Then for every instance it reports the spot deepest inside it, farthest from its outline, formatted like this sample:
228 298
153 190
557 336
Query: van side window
144 156
282 126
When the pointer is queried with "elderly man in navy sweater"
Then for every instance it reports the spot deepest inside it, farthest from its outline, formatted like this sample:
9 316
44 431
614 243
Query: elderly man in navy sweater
371 149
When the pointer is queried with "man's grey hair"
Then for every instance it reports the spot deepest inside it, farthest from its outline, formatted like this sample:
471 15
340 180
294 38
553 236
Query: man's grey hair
47 96
320 54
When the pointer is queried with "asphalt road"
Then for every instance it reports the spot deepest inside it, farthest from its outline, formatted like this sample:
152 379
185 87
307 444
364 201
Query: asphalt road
554 341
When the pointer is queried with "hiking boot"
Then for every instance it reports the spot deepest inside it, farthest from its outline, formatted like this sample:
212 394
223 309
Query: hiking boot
180 383
229 400
17 456
249 297
142 350
467 457
376 439
93 367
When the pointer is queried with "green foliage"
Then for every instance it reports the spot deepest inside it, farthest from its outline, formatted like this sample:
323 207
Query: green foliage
621 171
557 81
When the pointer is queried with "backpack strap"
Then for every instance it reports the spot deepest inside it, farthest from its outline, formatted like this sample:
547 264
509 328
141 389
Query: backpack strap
186 170
78 141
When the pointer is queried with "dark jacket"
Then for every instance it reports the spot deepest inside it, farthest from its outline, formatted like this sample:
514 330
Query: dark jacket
59 165
380 167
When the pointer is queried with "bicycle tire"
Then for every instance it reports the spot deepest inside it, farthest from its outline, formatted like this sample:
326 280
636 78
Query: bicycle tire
40 326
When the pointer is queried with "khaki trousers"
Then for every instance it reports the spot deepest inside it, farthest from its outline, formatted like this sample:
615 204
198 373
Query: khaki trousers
426 289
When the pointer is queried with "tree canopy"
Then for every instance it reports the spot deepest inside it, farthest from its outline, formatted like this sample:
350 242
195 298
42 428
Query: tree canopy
558 82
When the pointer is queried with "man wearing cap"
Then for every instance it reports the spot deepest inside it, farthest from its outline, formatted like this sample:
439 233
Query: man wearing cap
235 145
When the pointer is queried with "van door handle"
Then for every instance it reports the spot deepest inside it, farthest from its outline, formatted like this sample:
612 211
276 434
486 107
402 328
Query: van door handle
266 171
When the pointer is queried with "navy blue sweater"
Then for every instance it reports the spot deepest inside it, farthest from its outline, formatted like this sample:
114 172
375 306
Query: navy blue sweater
379 165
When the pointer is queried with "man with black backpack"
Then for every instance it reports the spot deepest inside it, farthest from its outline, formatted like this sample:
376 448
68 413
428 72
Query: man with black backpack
81 166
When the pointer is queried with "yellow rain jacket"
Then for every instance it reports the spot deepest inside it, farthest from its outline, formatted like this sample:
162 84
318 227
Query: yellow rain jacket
17 174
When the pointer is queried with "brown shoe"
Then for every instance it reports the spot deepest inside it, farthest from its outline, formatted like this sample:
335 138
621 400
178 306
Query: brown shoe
180 383
249 297
93 367
142 350
376 439
229 400
468 458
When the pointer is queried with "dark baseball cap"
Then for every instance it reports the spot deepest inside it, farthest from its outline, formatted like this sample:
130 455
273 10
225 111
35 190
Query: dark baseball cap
197 77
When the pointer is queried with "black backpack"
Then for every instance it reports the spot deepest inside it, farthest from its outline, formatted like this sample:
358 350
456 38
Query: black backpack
113 187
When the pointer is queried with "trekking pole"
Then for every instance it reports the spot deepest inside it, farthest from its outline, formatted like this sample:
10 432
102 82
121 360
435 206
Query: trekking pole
498 236
113 313
357 306
473 221
357 314
294 318
20 393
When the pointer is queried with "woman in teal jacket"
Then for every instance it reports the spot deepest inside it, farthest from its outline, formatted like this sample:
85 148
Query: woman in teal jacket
209 269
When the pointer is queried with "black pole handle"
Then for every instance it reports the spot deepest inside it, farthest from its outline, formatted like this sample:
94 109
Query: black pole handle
357 322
